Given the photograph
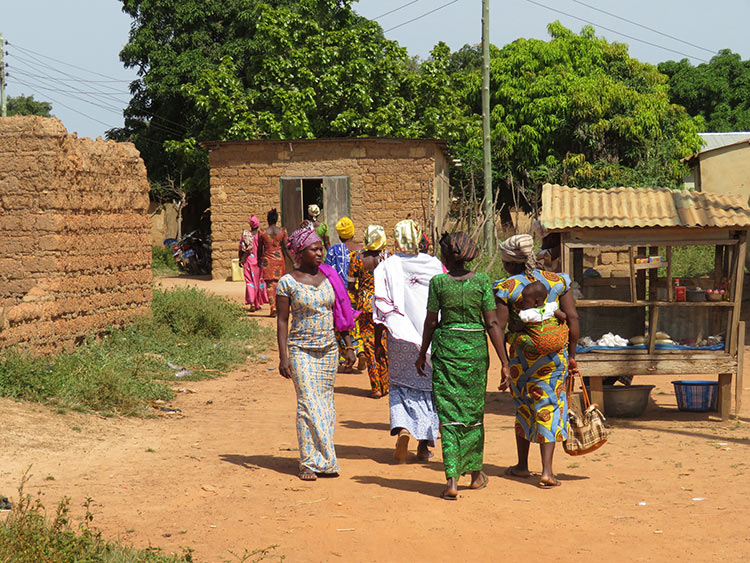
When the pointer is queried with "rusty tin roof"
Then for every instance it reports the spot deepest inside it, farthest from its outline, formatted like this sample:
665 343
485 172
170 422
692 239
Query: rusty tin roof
565 208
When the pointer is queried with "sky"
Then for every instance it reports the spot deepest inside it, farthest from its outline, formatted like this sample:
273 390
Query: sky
47 36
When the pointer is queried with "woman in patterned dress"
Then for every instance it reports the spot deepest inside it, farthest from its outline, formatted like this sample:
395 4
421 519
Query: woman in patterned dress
338 258
361 283
308 354
255 287
460 359
537 383
272 249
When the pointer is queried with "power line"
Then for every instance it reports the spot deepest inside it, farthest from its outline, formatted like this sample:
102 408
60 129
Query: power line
20 48
52 79
713 52
396 9
615 31
420 17
35 63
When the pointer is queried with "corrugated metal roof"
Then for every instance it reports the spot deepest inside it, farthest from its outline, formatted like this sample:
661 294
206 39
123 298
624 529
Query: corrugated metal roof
718 140
566 208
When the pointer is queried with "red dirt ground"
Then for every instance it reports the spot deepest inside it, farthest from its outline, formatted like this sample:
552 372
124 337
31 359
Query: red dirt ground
222 479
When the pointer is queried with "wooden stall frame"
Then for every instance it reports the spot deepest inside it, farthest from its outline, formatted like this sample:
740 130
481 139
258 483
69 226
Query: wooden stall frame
730 245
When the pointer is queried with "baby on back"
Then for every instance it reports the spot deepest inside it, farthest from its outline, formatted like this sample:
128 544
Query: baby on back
544 325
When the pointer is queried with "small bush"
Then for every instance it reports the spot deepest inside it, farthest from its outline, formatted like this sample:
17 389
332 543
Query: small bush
121 371
692 261
162 261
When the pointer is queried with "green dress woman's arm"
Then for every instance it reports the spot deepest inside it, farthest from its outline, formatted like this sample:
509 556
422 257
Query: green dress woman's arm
430 324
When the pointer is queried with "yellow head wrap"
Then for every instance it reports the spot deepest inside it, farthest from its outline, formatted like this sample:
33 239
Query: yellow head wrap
345 228
374 237
407 234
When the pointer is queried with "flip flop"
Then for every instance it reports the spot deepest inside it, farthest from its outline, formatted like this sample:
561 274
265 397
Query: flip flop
307 475
402 447
483 484
547 485
513 472
445 496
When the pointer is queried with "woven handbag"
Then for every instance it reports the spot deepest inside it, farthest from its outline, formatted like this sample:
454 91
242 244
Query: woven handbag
586 431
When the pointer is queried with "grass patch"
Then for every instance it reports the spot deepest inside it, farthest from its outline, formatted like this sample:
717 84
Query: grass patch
28 536
162 261
127 367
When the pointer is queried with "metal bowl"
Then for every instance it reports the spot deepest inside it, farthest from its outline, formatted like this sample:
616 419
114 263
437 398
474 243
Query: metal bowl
626 401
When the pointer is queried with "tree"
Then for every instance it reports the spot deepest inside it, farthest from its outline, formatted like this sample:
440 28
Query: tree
718 91
247 69
578 110
27 105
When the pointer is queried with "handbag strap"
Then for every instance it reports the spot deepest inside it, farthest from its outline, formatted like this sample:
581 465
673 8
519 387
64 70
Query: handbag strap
571 387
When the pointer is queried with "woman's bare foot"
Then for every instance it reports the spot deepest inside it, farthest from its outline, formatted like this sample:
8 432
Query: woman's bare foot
515 471
402 447
423 451
451 489
376 395
362 363
479 480
307 475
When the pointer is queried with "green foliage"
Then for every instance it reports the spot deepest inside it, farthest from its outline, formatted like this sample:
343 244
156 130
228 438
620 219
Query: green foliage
580 111
27 535
128 367
162 261
692 261
718 92
27 105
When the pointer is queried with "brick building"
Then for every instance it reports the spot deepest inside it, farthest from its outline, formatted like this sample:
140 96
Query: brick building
75 254
371 180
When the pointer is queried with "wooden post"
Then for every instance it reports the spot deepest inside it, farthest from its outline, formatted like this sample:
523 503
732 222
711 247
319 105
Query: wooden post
652 327
740 369
597 391
670 289
633 294
725 394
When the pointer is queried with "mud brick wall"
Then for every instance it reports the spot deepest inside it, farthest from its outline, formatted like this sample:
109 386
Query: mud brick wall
389 179
75 234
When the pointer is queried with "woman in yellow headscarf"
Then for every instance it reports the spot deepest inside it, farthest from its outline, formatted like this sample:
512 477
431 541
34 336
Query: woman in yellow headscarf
362 285
338 258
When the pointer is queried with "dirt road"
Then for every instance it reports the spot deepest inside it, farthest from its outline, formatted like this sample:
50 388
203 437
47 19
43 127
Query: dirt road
223 479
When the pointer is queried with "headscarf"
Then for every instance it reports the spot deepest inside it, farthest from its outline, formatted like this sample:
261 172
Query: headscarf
374 237
407 234
345 228
254 222
424 243
301 239
313 211
460 245
520 250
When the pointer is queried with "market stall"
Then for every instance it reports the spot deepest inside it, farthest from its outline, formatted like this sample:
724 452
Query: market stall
643 319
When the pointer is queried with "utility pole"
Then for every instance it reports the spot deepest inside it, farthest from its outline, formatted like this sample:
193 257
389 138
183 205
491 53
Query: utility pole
489 203
3 102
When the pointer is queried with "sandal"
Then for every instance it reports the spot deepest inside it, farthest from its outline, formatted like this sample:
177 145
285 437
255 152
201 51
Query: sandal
402 447
483 484
307 475
444 495
549 484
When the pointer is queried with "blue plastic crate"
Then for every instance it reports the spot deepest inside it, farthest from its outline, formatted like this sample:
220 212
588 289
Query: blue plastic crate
696 396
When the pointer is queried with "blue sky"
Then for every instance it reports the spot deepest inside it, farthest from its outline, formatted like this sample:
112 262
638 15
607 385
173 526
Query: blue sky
90 33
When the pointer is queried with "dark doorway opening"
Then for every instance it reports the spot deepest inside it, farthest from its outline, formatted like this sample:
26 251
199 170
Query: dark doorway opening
312 194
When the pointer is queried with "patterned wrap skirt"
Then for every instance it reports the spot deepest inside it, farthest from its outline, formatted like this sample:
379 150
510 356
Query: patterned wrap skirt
410 400
537 385
314 377
459 381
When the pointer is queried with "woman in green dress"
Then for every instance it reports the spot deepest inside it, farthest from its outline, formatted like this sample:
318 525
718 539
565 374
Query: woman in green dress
460 358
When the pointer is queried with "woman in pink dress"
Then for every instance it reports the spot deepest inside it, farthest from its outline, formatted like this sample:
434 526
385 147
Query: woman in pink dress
255 286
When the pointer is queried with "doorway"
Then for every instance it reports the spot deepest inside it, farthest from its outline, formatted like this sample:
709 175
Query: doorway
330 193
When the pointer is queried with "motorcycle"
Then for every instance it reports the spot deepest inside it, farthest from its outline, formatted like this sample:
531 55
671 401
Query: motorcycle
192 253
